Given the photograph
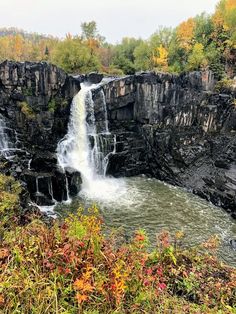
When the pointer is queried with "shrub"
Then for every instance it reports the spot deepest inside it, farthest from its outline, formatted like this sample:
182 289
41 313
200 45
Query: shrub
27 110
9 202
52 105
224 85
72 267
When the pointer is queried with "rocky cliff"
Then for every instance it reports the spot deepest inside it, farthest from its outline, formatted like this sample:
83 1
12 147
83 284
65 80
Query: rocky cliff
35 103
189 131
175 128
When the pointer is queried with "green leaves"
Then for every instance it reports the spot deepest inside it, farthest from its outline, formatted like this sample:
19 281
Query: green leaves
71 267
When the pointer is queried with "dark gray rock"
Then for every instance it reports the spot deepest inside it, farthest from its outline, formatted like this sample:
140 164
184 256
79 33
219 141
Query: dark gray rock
94 78
175 128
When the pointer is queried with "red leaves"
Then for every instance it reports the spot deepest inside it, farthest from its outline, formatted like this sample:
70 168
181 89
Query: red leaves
162 286
90 270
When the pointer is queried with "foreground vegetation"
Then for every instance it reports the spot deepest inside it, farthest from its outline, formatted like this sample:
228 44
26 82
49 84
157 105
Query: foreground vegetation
202 42
70 266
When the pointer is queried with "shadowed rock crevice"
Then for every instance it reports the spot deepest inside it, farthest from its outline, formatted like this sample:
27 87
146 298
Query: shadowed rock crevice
175 128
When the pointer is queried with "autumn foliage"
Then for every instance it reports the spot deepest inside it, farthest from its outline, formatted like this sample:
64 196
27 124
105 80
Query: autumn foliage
169 50
73 267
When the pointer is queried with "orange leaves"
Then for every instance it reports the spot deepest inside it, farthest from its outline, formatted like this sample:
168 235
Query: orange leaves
218 19
4 253
185 34
81 297
230 4
84 285
2 300
60 262
212 244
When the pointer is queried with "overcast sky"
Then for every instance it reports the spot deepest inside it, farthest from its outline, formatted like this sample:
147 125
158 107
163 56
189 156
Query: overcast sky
115 18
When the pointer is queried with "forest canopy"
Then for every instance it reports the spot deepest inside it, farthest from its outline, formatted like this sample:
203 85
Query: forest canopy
199 43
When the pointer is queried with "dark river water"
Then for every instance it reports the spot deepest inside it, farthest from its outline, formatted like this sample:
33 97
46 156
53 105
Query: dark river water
143 203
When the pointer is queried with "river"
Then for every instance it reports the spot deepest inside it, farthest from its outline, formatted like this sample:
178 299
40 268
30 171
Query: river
145 203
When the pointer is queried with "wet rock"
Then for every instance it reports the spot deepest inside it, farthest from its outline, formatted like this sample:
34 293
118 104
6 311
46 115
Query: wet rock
175 128
233 243
94 78
74 182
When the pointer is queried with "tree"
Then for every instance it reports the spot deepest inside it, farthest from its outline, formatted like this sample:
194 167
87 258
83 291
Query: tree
203 29
124 55
177 57
215 60
90 31
163 36
185 34
160 60
196 59
74 56
17 51
143 57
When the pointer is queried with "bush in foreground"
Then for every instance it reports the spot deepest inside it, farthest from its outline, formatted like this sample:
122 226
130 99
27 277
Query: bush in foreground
72 267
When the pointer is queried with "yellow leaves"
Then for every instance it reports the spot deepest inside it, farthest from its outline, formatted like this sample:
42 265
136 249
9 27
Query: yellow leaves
225 15
179 235
217 19
119 284
160 60
226 27
185 34
18 43
197 59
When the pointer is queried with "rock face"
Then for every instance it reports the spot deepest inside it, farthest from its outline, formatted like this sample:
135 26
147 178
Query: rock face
35 103
175 128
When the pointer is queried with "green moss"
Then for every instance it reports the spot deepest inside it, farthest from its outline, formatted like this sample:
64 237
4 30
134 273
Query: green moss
52 105
56 103
28 91
224 85
27 110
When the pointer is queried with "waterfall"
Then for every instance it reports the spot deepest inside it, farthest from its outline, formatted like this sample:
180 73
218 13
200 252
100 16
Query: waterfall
6 146
87 151
50 190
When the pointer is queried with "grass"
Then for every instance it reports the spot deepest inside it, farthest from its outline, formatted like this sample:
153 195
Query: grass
71 267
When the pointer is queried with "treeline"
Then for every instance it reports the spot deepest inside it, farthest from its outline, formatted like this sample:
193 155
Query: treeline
203 42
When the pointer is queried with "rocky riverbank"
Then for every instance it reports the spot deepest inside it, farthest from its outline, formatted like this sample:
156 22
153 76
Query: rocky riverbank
175 128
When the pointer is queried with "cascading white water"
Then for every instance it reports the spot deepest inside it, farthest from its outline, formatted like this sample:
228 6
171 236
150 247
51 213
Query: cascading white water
87 151
105 112
6 146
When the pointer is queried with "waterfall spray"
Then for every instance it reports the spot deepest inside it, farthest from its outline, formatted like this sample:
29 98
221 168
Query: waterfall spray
87 151
7 148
